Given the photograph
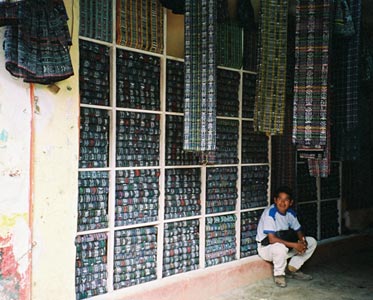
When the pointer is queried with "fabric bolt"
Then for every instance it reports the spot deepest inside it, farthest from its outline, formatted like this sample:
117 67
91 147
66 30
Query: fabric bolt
140 24
200 75
37 43
311 73
346 99
270 88
95 20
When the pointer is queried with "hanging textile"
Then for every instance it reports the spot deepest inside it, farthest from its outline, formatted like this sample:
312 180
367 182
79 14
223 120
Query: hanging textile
283 150
200 75
345 75
270 92
229 45
37 41
140 24
311 77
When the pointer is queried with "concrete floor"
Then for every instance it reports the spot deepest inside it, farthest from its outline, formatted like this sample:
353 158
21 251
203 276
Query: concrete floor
342 276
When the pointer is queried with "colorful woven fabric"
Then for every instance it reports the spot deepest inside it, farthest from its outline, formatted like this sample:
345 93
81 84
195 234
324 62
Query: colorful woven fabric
140 24
311 73
270 93
345 101
37 46
95 19
200 76
229 45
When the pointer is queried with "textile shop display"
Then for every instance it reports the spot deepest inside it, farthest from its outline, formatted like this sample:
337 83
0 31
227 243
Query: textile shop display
93 200
254 186
221 189
94 79
220 240
330 187
182 193
249 224
307 216
135 256
94 138
306 184
254 145
248 95
37 41
181 247
96 19
138 80
91 265
175 155
174 86
136 196
346 102
329 226
200 75
228 84
226 142
140 24
137 143
271 80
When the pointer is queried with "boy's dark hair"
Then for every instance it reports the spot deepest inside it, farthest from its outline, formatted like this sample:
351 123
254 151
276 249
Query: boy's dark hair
284 189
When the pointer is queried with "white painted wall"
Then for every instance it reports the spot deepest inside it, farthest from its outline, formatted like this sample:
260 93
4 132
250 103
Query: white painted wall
54 182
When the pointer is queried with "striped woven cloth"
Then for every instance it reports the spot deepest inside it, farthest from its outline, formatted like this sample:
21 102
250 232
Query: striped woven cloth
229 45
200 75
140 24
270 92
311 73
345 76
95 19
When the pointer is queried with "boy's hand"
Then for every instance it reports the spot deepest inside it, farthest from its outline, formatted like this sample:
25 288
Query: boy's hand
301 246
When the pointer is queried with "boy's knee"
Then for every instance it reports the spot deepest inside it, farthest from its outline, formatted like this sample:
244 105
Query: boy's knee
279 249
312 243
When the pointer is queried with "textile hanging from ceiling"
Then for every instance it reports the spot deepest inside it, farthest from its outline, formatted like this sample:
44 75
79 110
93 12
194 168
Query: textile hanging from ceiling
36 40
200 75
283 150
345 75
310 122
270 88
140 24
229 45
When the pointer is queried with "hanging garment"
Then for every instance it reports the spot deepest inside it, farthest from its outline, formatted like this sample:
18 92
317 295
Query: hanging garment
343 23
229 45
200 75
270 92
8 12
140 24
37 48
346 97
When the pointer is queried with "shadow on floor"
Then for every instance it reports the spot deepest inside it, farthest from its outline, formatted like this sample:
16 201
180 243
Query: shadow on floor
339 276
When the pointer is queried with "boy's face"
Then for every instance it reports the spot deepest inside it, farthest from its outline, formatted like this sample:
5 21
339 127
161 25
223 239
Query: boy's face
283 202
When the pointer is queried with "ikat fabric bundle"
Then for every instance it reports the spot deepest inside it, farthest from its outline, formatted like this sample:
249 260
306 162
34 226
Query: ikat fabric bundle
270 93
345 76
140 24
311 73
37 40
200 75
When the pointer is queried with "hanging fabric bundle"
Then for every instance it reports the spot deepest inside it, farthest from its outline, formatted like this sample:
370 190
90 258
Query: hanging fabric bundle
271 81
310 122
200 76
140 24
347 137
37 42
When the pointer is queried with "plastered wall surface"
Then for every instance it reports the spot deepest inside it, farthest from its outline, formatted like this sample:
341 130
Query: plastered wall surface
39 143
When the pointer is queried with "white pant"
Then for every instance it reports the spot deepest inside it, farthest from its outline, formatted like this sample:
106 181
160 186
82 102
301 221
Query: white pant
278 254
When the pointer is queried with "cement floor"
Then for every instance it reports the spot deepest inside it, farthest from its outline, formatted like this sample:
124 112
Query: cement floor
346 277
